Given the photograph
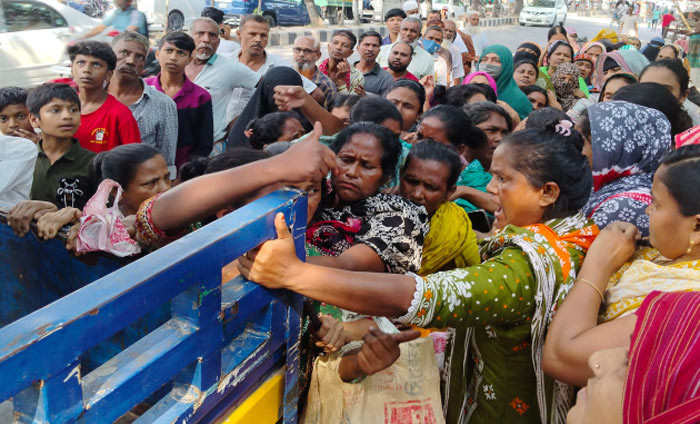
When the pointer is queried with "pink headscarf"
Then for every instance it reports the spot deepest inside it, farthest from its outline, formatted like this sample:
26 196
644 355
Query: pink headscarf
492 82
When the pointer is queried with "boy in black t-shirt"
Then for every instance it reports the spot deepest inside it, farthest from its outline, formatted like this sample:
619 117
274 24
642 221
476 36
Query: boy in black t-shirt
63 173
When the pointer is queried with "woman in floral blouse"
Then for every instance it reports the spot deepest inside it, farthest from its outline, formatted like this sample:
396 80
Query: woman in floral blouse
507 301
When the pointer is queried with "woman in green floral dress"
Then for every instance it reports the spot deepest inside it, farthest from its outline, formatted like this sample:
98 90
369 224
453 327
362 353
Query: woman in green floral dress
540 182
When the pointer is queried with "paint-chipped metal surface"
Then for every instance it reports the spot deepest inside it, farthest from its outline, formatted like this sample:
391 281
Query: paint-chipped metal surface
87 340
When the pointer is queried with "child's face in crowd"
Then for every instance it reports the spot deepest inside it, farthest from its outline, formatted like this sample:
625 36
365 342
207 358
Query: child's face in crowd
342 113
14 118
669 230
519 202
292 130
425 182
172 59
90 72
58 118
152 177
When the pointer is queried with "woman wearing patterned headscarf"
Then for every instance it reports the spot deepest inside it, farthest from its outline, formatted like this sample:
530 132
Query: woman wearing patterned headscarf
529 51
565 82
628 142
558 52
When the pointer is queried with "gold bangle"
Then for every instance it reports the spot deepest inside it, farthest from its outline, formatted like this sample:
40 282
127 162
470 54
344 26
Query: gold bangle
583 280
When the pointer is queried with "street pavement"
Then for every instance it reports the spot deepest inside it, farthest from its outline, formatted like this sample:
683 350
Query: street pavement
513 36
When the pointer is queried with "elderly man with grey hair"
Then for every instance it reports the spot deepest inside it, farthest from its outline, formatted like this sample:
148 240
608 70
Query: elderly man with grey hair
155 112
422 62
474 31
219 75
307 51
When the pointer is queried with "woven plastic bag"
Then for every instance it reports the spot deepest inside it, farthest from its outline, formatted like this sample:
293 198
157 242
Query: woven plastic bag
101 227
408 392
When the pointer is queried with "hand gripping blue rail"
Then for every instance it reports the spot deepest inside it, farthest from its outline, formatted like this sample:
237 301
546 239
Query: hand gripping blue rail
220 342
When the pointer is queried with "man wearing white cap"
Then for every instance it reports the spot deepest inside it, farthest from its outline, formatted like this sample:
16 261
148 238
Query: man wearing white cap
422 63
411 8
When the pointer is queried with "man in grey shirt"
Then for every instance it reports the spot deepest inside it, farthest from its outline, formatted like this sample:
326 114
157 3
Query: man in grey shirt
377 80
155 112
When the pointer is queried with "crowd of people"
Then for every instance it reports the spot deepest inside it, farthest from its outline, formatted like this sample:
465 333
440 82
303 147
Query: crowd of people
529 214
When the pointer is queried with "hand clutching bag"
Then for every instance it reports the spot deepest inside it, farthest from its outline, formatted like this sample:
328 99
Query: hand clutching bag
101 227
407 392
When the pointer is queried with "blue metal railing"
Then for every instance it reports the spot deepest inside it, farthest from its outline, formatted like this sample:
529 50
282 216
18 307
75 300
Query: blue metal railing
220 342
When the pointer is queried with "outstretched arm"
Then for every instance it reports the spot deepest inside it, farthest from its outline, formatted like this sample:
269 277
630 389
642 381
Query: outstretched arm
497 291
275 265
574 333
203 196
288 97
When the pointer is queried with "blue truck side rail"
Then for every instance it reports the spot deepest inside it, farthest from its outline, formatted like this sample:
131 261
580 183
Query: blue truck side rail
219 343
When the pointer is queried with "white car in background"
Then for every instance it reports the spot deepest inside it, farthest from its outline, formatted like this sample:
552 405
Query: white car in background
456 9
544 12
33 39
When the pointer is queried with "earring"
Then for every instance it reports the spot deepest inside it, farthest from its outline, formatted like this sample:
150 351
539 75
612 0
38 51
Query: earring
690 248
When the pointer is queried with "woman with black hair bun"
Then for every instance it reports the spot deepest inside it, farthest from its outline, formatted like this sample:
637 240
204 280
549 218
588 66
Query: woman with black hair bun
550 119
540 183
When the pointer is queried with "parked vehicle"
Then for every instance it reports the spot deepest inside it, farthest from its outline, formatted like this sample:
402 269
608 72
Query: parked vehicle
336 11
33 39
374 10
277 12
543 12
455 8
171 14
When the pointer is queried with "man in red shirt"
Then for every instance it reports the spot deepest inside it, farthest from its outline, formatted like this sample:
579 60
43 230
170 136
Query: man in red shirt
399 58
666 23
104 121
